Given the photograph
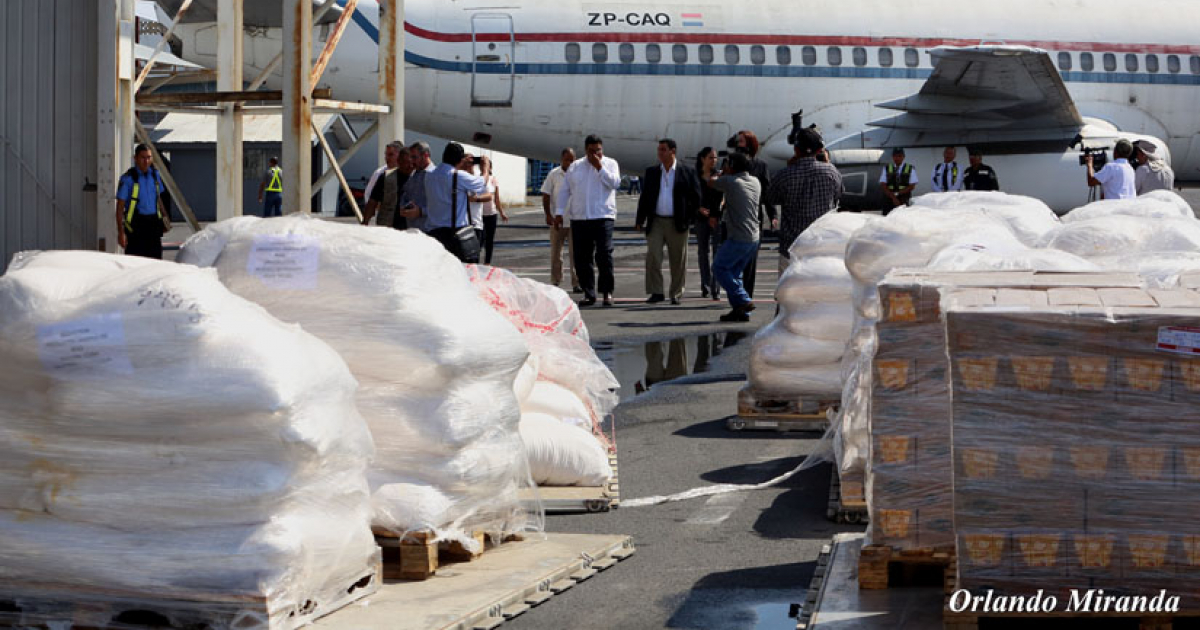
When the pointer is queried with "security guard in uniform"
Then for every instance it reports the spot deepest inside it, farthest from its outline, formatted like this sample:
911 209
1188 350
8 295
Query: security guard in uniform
141 221
945 175
979 176
273 185
898 180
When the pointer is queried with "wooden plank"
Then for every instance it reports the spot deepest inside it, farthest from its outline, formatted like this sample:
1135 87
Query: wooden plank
240 96
763 411
326 105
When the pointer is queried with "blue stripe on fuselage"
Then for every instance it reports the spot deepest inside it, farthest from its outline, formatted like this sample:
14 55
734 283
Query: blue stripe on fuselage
725 70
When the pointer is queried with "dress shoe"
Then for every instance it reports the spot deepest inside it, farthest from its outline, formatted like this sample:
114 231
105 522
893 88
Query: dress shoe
749 307
703 292
576 289
735 315
608 301
655 298
587 302
675 301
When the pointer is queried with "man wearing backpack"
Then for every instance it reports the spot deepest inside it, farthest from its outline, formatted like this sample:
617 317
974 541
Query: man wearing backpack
141 221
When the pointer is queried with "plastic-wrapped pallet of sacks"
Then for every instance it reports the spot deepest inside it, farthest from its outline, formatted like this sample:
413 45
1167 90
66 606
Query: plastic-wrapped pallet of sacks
1159 204
166 445
798 355
909 473
563 380
436 366
906 238
1076 454
1028 218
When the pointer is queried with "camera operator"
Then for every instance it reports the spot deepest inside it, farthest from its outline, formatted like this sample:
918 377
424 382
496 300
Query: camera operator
1152 172
1116 179
805 190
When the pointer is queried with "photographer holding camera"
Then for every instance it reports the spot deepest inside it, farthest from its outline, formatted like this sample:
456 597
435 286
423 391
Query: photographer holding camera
448 217
1116 179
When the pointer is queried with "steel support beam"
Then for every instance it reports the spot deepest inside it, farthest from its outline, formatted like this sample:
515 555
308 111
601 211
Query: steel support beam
162 43
391 73
346 155
297 106
229 124
337 170
114 99
277 59
331 43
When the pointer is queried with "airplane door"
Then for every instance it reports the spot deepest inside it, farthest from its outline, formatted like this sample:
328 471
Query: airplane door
492 64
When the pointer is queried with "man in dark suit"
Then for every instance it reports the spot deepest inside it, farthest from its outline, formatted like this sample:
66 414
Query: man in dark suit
669 203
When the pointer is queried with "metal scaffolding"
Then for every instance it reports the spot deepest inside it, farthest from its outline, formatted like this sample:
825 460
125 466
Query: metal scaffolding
297 101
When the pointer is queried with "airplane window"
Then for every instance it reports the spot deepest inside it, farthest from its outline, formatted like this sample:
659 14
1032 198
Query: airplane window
885 57
625 52
1087 63
653 53
706 54
834 56
1173 65
809 55
733 55
600 52
573 53
783 55
1064 61
912 58
679 53
1151 63
758 55
1131 63
1195 63
860 56
1110 62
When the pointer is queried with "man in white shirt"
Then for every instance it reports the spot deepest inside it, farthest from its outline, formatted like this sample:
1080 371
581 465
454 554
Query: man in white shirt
666 211
588 198
558 234
1116 179
946 177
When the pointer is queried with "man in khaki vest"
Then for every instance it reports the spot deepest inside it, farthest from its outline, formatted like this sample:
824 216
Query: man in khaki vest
386 195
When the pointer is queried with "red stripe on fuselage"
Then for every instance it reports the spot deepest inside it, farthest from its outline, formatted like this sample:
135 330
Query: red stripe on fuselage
792 40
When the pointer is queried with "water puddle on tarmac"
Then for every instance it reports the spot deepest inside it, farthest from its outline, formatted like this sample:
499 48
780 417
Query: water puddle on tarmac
640 366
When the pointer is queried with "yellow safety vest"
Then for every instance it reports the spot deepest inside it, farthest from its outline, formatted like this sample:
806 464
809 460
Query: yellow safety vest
894 183
276 183
131 207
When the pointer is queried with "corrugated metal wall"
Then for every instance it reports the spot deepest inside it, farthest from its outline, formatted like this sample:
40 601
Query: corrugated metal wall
47 125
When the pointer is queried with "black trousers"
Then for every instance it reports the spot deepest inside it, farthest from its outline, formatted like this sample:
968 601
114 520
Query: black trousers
592 240
146 238
489 236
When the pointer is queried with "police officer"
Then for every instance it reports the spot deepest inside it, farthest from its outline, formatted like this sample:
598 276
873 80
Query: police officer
141 221
945 175
979 176
898 180
273 185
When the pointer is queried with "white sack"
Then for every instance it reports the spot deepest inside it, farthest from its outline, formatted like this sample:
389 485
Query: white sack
561 454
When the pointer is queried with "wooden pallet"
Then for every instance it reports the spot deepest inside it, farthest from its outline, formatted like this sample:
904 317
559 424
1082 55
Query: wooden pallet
575 499
418 555
846 504
762 412
881 567
29 605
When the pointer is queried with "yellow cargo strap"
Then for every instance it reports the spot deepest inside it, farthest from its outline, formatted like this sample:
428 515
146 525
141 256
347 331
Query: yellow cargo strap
276 184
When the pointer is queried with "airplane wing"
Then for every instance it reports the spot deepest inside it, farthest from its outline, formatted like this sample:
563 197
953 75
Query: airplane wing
983 94
265 13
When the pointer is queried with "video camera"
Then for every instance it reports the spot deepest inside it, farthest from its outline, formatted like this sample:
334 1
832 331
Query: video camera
1099 157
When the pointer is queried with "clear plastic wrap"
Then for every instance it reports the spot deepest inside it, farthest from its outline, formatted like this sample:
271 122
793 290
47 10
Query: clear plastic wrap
1076 456
147 413
1159 204
436 366
1123 235
1028 218
909 473
572 384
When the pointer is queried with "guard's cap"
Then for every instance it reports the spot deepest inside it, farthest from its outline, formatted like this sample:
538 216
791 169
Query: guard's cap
898 151
978 151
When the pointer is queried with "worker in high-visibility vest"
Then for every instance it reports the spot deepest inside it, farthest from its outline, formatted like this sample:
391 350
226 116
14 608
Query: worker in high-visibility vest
141 221
272 185
898 180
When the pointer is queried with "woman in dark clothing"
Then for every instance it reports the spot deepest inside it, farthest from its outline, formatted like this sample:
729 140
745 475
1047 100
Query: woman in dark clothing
747 143
708 237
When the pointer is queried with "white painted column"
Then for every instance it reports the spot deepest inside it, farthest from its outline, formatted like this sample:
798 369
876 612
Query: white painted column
115 101
297 106
391 72
229 123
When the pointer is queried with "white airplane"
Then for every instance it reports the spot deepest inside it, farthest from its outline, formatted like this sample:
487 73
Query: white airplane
1021 78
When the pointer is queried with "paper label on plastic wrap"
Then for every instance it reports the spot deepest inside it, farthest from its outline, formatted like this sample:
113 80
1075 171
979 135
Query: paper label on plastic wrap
1179 339
285 261
85 348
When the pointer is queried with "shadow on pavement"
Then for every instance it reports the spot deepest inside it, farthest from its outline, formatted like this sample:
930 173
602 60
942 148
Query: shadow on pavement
756 598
